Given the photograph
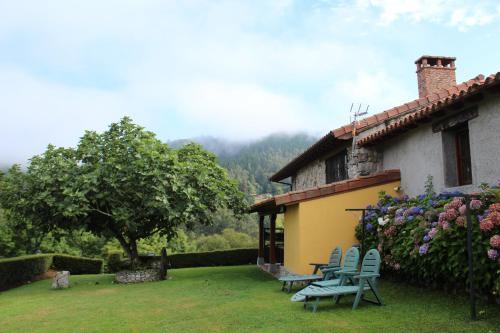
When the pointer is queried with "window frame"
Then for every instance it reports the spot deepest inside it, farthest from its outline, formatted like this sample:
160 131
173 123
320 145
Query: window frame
339 163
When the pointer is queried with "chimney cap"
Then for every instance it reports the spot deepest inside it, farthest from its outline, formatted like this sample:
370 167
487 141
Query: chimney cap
429 57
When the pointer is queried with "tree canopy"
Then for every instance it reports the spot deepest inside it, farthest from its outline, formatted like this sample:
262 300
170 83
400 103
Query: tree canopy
123 183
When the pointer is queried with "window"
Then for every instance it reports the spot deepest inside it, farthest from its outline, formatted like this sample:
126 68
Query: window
336 167
456 150
464 170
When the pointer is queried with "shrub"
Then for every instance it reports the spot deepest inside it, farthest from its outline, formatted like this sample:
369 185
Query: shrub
214 258
114 262
423 239
77 265
15 271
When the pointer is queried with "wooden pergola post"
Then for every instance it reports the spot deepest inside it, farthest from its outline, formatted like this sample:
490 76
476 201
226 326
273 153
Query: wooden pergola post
260 256
272 243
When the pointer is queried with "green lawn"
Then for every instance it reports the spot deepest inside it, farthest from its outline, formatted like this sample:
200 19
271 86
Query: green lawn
225 299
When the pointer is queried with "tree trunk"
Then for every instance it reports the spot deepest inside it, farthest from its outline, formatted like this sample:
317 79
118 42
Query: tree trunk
130 249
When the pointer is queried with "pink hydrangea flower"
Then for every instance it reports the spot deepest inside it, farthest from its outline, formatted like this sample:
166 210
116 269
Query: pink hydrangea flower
451 214
495 241
462 209
495 206
460 221
442 217
486 224
433 232
390 231
445 225
475 204
397 266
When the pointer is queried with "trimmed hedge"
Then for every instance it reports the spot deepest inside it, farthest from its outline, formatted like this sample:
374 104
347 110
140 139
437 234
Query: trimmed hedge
18 270
214 258
231 257
15 271
77 265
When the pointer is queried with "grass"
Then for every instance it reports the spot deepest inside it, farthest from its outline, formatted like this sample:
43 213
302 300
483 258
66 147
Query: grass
225 299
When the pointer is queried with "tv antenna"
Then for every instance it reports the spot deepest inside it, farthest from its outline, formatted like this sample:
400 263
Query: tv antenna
353 117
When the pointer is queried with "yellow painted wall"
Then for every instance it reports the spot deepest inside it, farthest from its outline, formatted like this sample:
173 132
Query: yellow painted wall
314 227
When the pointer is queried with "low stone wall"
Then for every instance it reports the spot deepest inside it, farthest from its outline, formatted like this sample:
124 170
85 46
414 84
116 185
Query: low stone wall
146 275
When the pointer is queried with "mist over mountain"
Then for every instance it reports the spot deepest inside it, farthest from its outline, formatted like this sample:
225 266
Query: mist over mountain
252 163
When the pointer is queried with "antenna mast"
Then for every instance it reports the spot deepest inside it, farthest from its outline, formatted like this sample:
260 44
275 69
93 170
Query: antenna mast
354 115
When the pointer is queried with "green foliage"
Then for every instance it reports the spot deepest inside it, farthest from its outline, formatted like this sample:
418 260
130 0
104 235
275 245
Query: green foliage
214 258
253 163
423 239
229 239
77 265
429 186
123 183
114 261
15 271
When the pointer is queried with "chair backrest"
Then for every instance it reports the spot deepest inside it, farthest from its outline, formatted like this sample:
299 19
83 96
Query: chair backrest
371 263
335 257
351 259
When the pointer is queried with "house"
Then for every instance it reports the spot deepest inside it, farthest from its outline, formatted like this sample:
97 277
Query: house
451 132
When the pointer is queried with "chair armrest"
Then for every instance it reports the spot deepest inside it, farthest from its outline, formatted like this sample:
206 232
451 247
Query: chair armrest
348 273
329 269
317 264
366 275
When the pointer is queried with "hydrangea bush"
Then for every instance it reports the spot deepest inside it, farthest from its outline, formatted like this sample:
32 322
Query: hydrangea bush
423 239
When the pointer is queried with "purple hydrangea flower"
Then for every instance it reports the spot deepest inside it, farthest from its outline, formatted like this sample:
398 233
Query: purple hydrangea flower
422 196
492 254
434 224
368 226
427 238
396 199
423 249
410 218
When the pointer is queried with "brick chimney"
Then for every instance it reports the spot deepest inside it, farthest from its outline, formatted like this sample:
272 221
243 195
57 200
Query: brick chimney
434 73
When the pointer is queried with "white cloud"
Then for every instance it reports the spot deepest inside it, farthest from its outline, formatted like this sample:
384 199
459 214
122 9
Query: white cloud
377 89
455 13
242 110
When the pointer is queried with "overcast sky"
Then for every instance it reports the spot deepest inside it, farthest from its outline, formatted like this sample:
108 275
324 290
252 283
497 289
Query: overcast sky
231 69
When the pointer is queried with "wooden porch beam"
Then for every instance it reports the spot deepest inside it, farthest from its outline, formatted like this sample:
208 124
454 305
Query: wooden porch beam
272 240
260 257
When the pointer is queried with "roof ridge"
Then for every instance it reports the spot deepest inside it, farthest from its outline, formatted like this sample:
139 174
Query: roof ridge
467 87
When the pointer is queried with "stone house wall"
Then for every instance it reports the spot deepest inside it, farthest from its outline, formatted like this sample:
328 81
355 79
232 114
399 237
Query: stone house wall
419 153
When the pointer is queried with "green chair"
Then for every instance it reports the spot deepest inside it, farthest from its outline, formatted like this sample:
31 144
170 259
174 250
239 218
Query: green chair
333 264
366 280
332 276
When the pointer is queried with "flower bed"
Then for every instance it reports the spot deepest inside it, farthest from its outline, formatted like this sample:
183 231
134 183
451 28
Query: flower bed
423 239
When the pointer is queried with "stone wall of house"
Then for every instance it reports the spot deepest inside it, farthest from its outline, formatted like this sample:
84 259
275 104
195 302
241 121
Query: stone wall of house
364 161
420 153
313 175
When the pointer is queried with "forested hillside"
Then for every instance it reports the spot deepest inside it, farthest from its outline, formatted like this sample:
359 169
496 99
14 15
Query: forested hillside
252 163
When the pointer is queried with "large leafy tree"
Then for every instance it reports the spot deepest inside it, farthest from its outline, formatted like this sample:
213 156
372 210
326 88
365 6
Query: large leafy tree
123 183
